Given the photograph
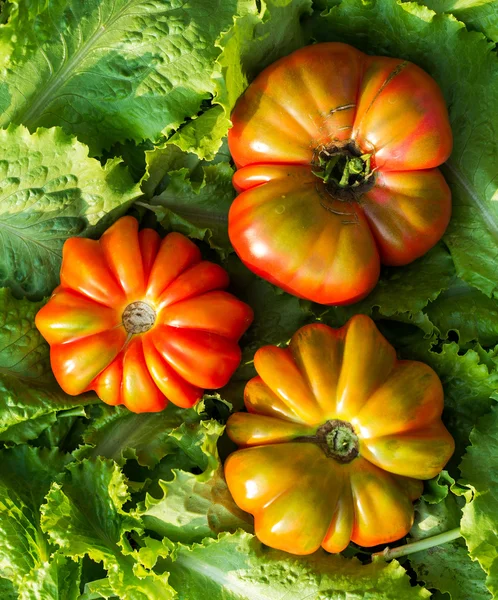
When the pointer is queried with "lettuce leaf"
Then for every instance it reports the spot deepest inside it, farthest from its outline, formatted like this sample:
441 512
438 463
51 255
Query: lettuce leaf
25 551
480 517
111 70
84 516
481 15
466 311
448 567
30 398
50 191
238 566
120 435
194 507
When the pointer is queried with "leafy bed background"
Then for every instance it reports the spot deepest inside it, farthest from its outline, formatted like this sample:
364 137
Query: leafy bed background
115 106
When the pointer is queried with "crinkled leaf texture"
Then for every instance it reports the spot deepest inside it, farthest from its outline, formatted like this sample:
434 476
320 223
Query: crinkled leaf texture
119 434
480 517
51 190
447 567
111 70
469 313
470 382
194 507
26 554
481 15
236 566
84 516
30 398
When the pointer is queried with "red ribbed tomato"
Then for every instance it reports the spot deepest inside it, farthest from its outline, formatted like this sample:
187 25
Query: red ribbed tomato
337 154
142 321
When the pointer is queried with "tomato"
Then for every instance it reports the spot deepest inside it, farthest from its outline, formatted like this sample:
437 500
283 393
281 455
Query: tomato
337 154
337 438
142 321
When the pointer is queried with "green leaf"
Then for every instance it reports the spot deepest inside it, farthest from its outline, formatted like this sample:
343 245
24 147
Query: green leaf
447 567
481 15
57 580
480 517
107 70
51 190
24 354
84 516
7 590
238 566
203 135
468 312
468 77
257 40
437 488
402 292
30 398
120 435
198 209
194 507
25 478
277 316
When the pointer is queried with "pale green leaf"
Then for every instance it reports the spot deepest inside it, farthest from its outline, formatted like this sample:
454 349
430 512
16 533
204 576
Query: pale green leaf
481 15
25 478
480 517
194 507
51 190
84 516
236 567
111 70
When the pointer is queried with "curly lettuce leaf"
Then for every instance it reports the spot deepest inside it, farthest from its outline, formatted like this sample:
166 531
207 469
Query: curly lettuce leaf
469 313
111 70
198 209
402 293
481 15
194 507
468 77
55 580
51 190
30 398
480 517
238 566
84 516
148 437
447 567
25 478
257 40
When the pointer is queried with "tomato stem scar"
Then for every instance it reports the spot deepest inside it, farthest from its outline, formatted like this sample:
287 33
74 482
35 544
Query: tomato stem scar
337 439
138 317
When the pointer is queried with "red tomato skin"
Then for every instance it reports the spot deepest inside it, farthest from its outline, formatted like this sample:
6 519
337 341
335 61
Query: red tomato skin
192 340
328 95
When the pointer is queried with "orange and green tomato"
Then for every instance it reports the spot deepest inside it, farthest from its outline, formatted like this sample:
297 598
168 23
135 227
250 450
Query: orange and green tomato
338 437
337 154
142 320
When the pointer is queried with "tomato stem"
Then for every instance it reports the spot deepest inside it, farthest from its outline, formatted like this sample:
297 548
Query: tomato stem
342 167
430 542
